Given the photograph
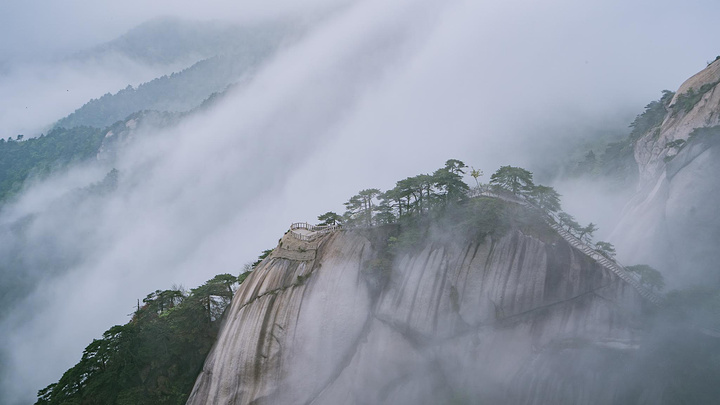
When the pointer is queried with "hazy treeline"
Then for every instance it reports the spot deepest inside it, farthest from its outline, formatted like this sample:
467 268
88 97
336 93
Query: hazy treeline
156 356
20 159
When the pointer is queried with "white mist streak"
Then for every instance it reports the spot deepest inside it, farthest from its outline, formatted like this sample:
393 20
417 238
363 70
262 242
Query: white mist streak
382 91
197 200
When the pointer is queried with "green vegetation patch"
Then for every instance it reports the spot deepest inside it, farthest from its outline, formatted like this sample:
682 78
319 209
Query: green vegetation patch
652 117
688 100
615 161
153 359
20 160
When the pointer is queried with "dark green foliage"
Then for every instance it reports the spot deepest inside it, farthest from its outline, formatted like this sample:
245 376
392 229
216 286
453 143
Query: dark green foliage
478 218
262 256
514 179
438 204
448 180
40 156
154 358
472 220
586 233
615 161
329 218
243 276
648 276
224 53
687 101
545 198
106 185
178 92
583 233
606 249
416 195
569 222
413 232
678 143
652 117
361 207
384 213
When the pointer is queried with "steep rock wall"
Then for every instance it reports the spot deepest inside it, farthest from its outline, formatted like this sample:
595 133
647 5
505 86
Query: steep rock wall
651 150
672 222
448 321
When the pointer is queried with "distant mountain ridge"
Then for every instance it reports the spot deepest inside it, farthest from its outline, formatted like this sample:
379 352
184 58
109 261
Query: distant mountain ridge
171 40
221 55
178 92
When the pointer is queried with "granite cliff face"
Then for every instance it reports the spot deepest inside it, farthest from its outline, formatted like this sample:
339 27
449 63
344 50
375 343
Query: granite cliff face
517 318
672 221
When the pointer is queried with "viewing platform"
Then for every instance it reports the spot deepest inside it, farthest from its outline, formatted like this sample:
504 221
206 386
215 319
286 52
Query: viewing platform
306 232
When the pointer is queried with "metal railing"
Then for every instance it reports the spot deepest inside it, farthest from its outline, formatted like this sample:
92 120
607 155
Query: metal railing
612 265
317 230
574 241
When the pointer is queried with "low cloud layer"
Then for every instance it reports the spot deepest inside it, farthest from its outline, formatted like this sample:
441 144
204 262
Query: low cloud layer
373 94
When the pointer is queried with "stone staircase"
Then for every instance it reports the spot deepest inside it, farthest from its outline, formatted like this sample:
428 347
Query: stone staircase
307 232
611 265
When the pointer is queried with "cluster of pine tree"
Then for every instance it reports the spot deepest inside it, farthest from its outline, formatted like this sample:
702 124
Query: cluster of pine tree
413 195
20 159
154 358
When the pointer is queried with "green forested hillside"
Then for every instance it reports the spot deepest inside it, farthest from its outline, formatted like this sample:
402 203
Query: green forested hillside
222 53
615 160
178 92
39 156
164 41
154 358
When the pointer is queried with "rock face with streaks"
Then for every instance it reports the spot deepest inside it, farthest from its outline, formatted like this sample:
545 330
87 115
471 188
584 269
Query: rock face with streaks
520 317
672 221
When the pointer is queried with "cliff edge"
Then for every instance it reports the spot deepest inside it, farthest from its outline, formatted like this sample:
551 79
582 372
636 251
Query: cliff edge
672 222
352 319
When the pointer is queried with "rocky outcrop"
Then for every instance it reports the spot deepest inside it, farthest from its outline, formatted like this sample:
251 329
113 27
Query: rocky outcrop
448 321
672 221
652 149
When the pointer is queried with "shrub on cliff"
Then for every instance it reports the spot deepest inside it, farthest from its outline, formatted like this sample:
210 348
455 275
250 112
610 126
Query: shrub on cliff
154 358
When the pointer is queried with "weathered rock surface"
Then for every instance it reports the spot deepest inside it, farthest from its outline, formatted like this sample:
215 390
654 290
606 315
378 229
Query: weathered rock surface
448 322
651 150
672 221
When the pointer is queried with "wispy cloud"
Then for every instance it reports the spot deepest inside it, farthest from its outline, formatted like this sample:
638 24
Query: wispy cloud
378 92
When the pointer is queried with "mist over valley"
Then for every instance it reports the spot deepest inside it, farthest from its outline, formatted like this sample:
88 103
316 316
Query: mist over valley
489 203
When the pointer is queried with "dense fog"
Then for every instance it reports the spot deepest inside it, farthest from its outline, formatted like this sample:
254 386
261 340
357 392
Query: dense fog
369 92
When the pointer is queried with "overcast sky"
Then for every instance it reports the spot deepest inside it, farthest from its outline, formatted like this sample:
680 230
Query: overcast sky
35 28
375 93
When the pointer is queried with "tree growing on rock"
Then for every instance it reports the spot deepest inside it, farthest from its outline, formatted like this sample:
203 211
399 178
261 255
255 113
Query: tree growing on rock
360 207
568 221
545 198
587 232
329 218
648 276
384 213
514 179
448 181
606 249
